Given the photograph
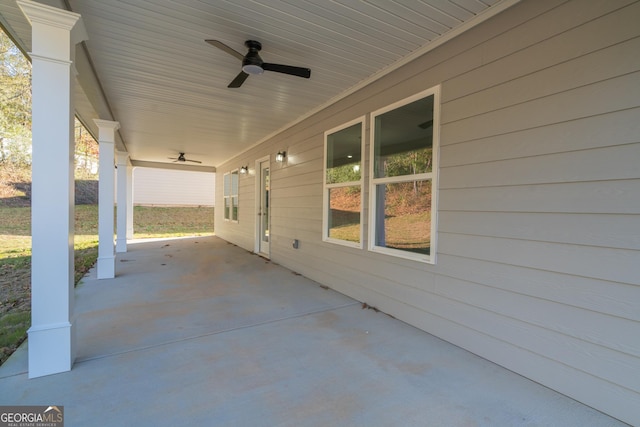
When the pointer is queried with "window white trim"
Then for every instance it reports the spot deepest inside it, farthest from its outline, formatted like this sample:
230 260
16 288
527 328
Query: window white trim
327 187
432 176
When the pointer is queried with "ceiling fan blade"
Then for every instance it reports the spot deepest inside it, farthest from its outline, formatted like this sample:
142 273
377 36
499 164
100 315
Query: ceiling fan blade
288 69
240 78
226 48
193 161
426 125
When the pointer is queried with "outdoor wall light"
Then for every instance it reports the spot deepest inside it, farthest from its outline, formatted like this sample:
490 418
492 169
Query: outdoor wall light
281 156
244 169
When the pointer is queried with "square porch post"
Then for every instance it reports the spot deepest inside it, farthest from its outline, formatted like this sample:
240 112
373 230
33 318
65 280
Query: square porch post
106 264
129 200
123 205
52 334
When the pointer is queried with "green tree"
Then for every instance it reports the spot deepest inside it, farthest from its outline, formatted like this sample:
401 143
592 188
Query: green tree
86 153
15 104
344 173
15 116
409 162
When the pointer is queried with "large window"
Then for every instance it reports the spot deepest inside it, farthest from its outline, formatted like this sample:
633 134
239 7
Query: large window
342 218
231 196
403 177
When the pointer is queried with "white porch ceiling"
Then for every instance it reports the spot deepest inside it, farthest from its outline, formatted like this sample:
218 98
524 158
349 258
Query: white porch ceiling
168 88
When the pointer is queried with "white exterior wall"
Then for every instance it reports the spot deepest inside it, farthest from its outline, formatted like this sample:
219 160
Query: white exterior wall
538 263
166 187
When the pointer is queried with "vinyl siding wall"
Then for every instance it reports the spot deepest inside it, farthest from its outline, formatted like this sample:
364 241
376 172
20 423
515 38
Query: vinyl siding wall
166 187
538 256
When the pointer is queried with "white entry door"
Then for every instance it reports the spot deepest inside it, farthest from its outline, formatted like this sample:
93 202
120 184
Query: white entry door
263 217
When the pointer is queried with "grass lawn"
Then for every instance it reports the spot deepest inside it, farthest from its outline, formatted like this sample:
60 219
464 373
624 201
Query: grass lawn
15 254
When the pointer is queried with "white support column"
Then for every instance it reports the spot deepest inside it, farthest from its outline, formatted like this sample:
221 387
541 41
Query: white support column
129 200
122 197
52 334
106 193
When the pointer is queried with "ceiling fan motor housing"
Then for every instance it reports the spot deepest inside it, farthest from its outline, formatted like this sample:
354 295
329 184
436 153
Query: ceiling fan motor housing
252 63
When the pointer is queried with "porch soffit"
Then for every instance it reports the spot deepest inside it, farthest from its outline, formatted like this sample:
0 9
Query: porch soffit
146 64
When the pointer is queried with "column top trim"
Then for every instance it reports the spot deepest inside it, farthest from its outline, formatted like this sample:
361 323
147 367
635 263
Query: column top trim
52 16
106 131
49 59
122 157
107 124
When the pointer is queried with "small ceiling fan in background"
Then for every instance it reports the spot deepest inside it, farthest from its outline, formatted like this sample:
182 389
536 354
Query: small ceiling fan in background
182 159
253 64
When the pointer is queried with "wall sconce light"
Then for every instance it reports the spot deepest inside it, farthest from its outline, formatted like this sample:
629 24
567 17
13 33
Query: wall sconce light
244 169
281 156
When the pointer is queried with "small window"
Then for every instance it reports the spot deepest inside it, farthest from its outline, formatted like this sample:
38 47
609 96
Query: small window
342 218
403 177
231 196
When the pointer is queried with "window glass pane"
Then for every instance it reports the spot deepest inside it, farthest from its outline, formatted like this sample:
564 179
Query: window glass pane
344 213
234 183
227 184
344 155
403 140
234 208
227 208
403 215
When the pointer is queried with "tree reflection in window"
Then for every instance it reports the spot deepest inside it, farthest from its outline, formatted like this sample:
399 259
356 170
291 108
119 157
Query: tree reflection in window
342 218
402 178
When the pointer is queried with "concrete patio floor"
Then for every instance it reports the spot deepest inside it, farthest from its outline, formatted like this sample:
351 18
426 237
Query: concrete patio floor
200 332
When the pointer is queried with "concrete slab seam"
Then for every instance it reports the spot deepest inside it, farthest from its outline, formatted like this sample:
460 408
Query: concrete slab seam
223 331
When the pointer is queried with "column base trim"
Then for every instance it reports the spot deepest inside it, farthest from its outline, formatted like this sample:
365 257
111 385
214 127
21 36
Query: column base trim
106 267
121 245
51 348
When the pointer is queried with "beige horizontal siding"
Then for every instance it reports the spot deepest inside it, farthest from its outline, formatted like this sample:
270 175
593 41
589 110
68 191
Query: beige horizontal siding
166 187
539 199
611 231
605 197
616 128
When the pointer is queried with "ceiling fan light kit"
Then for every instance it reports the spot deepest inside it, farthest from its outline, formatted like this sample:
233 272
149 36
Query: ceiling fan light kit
252 69
253 64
